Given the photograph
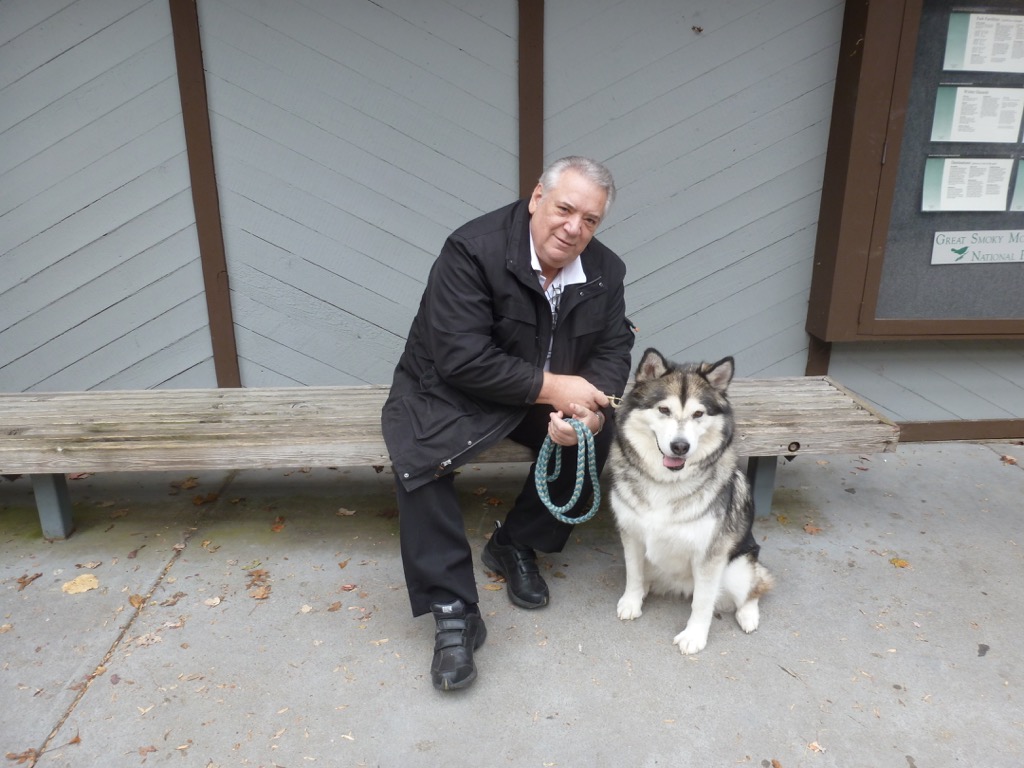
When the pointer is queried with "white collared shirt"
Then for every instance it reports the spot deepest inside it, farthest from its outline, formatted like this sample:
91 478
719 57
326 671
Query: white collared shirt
571 274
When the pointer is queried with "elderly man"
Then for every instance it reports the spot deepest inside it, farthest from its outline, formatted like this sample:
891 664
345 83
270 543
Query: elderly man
522 325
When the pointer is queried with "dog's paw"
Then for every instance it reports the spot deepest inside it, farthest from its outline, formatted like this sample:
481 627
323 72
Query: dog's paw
630 607
691 641
748 616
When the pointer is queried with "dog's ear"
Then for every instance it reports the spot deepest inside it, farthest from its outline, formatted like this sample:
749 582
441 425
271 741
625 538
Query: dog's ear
719 374
652 365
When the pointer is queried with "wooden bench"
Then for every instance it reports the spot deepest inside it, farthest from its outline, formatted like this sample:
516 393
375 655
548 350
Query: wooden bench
46 435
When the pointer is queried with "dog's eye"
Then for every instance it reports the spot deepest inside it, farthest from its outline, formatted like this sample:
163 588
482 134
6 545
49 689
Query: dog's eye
698 414
665 410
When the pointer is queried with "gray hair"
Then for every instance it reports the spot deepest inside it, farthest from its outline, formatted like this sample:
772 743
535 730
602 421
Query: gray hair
589 169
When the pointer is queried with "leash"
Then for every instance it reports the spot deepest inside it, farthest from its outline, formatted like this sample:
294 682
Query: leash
586 459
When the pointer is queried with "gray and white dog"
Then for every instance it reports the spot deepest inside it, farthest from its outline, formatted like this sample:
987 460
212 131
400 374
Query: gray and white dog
682 506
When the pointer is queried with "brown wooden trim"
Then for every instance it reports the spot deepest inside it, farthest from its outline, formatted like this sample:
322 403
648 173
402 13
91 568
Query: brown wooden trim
195 116
819 355
531 94
868 52
942 431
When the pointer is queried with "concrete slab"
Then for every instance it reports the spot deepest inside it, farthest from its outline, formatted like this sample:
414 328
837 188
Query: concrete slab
272 628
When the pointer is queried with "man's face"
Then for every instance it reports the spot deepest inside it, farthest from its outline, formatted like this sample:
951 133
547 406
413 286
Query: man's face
564 219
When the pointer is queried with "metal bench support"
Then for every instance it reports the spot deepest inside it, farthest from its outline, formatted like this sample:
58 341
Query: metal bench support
761 474
54 504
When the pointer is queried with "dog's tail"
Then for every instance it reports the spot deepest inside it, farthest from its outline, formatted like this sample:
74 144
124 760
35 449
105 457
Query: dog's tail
762 582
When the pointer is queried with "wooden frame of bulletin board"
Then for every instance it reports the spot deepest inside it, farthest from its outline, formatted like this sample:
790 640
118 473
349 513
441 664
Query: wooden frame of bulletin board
921 228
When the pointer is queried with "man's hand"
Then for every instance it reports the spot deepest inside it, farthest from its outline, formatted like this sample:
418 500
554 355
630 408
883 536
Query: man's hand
562 433
565 393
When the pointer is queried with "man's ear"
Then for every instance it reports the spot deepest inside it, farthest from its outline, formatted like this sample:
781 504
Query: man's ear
538 193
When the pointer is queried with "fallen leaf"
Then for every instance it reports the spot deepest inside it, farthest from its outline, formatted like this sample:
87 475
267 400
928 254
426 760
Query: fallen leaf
815 747
28 757
480 491
278 525
334 607
79 475
207 499
187 484
260 593
24 581
1009 460
493 587
812 529
343 563
348 587
782 519
5 628
137 601
899 562
90 564
494 502
213 602
342 512
306 609
83 583
776 764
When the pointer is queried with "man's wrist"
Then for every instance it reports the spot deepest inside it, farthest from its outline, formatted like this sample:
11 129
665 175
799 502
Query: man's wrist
600 422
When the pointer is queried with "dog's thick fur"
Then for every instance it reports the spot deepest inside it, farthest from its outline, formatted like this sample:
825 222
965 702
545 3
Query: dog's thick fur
682 506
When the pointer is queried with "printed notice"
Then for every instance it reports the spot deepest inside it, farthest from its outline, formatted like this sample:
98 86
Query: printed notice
985 42
966 184
991 115
983 247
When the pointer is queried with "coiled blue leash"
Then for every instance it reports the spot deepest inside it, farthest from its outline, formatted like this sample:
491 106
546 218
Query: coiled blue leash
586 459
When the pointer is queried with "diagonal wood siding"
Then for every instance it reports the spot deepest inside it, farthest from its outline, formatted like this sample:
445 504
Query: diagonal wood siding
350 139
100 285
717 136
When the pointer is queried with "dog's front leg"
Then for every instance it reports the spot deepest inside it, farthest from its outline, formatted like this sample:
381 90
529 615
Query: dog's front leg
707 579
632 600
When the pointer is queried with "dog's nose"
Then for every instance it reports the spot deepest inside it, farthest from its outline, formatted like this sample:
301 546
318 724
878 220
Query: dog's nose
680 447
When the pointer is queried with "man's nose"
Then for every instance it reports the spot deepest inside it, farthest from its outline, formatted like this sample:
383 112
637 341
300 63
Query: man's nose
574 224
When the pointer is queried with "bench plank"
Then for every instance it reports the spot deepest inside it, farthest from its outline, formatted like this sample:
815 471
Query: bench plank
49 434
99 431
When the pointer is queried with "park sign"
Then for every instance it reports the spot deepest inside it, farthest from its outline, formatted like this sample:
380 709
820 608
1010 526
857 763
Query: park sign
978 247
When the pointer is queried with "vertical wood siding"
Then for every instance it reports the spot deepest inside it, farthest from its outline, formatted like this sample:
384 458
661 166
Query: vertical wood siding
100 283
350 139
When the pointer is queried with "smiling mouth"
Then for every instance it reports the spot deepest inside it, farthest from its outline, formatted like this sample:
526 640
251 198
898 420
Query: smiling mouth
674 463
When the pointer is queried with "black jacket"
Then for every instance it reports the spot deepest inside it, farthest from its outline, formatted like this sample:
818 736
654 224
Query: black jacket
474 360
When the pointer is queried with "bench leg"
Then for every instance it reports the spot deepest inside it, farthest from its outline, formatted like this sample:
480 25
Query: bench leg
761 474
54 505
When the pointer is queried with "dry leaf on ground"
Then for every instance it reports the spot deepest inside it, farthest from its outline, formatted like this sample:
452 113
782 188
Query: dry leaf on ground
83 583
24 581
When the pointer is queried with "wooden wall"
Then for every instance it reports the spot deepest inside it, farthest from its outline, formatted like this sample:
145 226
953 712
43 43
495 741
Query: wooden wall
351 137
100 282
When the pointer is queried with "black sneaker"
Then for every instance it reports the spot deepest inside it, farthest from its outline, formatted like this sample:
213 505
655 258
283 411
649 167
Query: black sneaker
526 587
459 633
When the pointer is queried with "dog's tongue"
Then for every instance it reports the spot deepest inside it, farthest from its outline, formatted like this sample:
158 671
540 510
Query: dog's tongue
673 462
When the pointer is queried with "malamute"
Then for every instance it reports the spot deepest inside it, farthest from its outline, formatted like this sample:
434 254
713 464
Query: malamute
682 506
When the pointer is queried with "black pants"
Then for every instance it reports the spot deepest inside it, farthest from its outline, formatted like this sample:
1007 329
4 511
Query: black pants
436 554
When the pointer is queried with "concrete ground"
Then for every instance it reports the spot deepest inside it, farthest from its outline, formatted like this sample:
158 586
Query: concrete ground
260 619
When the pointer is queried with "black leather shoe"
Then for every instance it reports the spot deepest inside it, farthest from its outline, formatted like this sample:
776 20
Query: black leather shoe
526 587
459 633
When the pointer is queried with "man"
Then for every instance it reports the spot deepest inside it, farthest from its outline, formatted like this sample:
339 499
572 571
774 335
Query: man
522 325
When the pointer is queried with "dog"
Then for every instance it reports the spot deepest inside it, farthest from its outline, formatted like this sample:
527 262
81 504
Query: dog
682 507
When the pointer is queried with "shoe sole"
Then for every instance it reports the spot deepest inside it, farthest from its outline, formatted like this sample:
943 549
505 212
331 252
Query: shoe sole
491 563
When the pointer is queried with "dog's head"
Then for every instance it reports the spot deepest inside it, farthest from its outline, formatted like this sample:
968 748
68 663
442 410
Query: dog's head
677 412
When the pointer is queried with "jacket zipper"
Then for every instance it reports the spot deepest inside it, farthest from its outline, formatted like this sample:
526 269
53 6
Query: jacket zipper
448 462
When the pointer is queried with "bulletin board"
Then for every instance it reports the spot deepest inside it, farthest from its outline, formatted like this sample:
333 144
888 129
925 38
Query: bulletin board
930 244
